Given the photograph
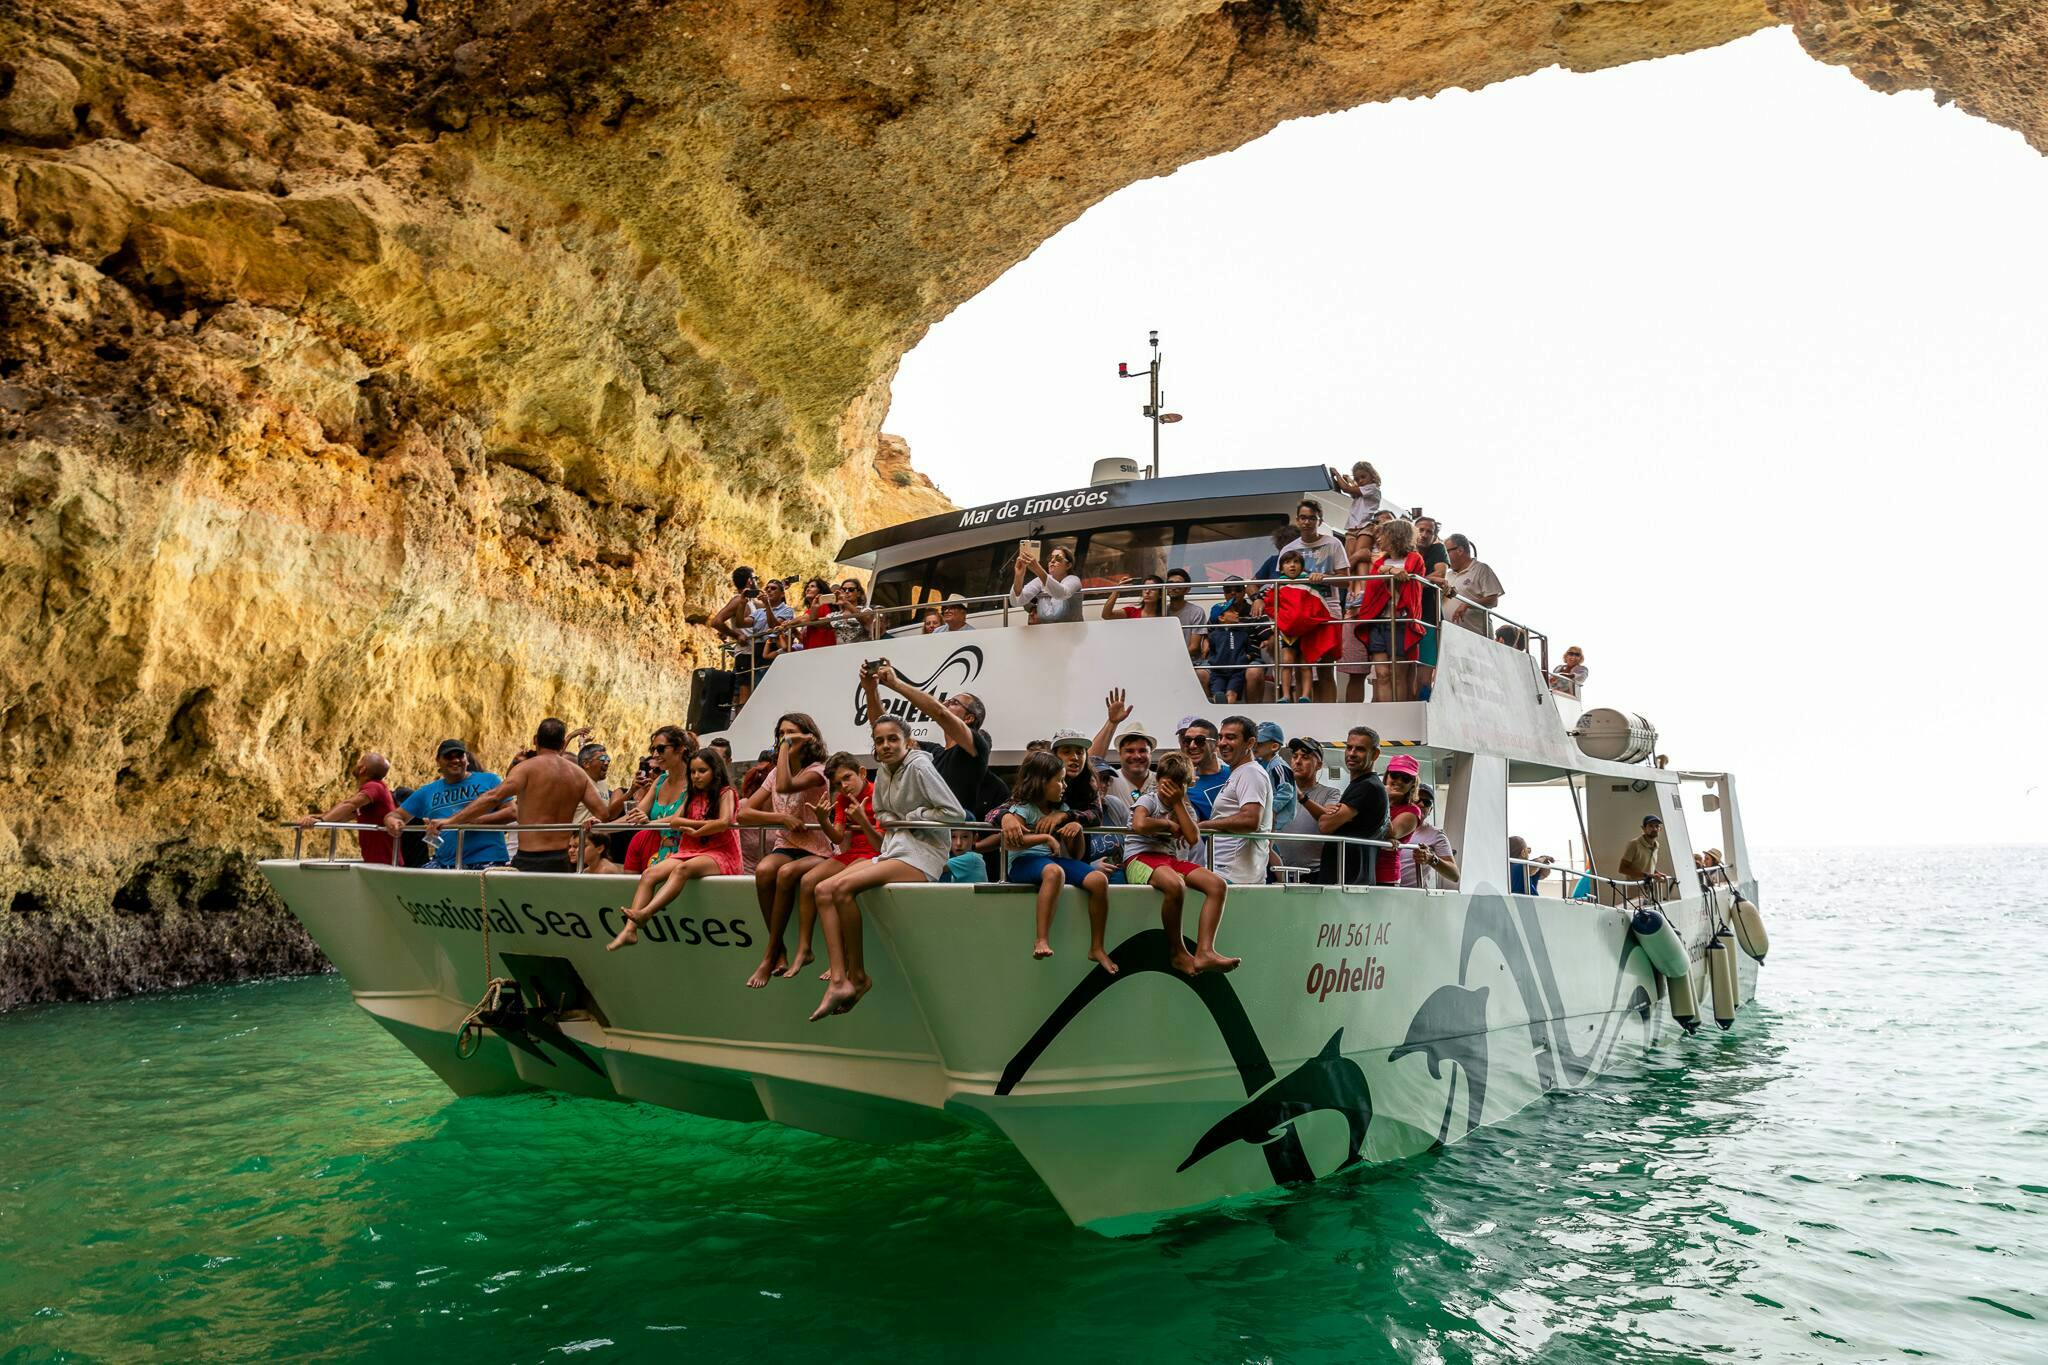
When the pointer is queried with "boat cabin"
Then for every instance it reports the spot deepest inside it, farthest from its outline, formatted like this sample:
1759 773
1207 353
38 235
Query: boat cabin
1493 721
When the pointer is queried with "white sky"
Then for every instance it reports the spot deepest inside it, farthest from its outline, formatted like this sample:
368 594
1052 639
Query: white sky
1732 368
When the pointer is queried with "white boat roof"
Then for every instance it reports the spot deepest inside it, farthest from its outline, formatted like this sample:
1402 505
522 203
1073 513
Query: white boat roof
1235 492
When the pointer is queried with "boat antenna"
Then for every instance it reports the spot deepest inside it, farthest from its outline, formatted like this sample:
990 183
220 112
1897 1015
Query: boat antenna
1155 415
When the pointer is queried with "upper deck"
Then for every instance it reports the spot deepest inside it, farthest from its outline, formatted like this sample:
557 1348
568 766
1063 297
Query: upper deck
1488 698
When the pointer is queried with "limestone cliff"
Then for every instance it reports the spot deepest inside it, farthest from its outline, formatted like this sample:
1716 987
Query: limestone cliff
375 370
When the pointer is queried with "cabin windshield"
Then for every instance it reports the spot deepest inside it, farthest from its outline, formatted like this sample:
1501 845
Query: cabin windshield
1209 549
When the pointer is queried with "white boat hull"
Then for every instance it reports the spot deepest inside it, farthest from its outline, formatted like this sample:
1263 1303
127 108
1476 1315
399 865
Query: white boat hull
1364 1025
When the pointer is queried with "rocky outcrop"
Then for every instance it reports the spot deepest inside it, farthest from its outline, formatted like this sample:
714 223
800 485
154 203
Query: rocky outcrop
375 370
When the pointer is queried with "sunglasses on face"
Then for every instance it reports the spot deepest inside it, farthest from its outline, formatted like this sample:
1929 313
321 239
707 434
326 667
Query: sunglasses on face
659 748
1193 741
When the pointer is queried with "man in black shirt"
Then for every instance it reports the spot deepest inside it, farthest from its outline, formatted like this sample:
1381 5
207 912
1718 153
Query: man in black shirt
1360 813
962 761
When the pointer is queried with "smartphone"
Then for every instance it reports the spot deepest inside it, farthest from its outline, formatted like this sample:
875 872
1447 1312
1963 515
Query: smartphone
1027 548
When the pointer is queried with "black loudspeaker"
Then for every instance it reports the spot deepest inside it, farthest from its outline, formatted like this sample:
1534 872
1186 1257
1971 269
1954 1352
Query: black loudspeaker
710 699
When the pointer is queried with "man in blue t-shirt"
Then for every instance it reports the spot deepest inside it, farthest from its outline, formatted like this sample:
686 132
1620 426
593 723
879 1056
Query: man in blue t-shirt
455 788
1198 742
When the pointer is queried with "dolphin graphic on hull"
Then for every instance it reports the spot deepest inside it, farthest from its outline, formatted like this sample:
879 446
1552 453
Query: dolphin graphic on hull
1451 1027
1328 1080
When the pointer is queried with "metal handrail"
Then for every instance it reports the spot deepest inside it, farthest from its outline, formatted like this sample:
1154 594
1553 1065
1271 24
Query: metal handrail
880 629
1623 889
335 828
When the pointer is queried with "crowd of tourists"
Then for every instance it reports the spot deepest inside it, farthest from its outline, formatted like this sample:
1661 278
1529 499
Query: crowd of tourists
1324 612
815 827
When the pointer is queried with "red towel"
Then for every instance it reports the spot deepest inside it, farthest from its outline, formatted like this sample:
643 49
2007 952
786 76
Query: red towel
1303 618
640 850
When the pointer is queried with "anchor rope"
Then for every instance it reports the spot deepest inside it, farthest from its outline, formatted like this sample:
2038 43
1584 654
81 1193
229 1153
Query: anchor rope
469 1035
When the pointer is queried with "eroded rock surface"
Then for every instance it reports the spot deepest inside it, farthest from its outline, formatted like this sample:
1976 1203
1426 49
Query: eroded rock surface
377 370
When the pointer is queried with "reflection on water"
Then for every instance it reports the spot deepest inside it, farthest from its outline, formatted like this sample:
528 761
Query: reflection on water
1856 1172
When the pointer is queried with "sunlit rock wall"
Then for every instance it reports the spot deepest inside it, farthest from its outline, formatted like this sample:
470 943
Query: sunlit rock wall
377 371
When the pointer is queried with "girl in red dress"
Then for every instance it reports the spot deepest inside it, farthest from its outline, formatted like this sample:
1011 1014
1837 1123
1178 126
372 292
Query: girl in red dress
707 844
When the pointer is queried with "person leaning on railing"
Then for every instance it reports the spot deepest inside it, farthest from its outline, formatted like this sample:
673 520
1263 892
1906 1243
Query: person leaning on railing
369 804
456 786
1524 872
1305 758
1429 848
1360 813
1472 581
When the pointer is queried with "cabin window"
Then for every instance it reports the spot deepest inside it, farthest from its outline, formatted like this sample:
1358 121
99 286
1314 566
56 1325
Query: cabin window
1212 551
978 572
1130 552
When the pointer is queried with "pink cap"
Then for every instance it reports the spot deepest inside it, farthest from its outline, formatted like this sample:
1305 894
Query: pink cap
1405 765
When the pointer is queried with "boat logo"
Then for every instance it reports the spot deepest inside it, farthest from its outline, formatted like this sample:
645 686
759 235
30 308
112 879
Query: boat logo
959 668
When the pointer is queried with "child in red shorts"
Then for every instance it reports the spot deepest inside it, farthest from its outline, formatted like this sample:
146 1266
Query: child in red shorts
1155 855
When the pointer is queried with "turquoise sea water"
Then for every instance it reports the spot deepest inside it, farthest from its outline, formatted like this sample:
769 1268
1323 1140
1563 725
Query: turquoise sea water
1859 1171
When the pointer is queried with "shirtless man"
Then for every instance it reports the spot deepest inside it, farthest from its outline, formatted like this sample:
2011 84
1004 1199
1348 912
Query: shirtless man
549 787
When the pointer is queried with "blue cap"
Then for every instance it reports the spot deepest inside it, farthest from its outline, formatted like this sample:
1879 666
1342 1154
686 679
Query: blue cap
1269 733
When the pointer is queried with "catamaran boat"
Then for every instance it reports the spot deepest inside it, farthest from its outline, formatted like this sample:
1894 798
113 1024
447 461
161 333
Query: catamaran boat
1366 1024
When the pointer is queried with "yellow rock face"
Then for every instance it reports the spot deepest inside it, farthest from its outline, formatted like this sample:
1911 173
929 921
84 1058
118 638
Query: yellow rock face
372 372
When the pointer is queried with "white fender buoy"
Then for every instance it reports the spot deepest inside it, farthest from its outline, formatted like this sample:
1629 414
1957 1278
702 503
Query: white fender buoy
1721 977
1661 943
1685 1007
1749 929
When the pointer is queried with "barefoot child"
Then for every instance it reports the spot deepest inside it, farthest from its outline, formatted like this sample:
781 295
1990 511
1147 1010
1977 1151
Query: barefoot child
851 828
707 844
1156 856
1036 830
907 788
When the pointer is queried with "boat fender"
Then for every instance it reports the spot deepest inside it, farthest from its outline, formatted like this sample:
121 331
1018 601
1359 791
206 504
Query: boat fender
1721 977
1661 943
1749 929
1685 1009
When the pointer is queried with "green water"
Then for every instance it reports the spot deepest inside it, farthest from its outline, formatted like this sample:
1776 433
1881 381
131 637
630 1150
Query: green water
1858 1172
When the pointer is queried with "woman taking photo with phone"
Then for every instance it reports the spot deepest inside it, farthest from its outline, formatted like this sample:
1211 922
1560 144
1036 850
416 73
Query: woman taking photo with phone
1050 589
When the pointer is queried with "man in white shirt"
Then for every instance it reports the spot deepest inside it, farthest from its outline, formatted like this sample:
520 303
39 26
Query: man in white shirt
1472 580
1321 552
1242 808
952 616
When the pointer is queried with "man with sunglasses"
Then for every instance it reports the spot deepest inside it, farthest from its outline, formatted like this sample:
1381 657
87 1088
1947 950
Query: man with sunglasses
1198 742
455 788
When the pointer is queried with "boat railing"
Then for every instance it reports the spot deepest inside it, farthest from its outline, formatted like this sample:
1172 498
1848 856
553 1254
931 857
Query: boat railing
334 829
1591 886
738 658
